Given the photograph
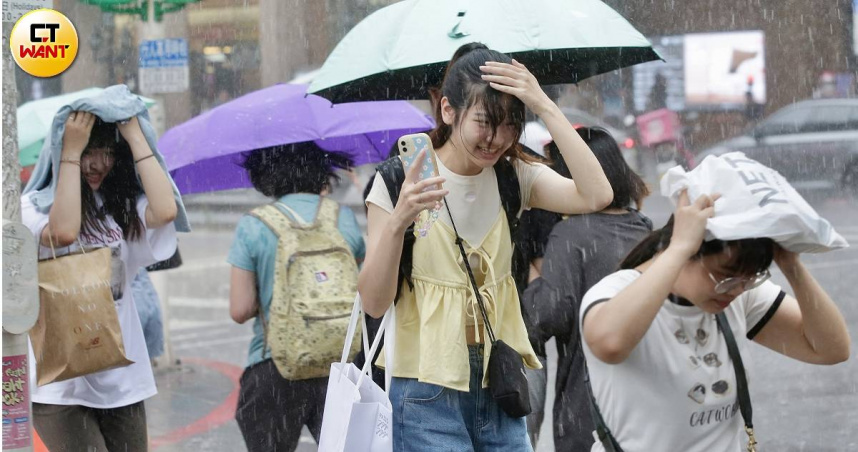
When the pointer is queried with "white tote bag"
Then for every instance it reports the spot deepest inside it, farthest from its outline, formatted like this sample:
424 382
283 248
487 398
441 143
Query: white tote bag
756 201
358 415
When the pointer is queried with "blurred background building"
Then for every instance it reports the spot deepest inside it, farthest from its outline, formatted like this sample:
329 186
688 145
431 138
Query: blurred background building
805 49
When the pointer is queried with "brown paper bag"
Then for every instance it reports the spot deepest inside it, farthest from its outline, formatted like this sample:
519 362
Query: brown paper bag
78 329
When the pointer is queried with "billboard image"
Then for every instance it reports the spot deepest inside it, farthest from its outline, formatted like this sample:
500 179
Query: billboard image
724 70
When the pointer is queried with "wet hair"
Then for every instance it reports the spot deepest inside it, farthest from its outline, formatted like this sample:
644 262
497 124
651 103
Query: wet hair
748 256
293 168
119 190
627 185
464 87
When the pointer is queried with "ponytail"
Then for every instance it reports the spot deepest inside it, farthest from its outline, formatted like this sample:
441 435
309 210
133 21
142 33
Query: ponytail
442 131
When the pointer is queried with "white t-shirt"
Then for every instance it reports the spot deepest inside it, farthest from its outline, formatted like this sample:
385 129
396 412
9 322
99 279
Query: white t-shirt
124 385
474 200
677 389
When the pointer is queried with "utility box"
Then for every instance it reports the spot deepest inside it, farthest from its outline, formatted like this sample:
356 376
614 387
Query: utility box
20 312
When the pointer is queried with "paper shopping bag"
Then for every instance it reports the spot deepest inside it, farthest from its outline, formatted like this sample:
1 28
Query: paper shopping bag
358 416
78 331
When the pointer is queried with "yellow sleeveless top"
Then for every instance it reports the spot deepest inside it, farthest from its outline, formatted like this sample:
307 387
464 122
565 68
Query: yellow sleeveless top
430 320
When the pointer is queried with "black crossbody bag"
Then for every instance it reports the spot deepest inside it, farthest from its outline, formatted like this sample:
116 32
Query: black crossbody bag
507 378
610 443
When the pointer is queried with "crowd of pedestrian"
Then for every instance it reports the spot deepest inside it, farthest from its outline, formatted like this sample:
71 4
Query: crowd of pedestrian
650 325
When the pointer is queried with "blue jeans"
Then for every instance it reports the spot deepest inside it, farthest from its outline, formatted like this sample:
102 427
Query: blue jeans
428 417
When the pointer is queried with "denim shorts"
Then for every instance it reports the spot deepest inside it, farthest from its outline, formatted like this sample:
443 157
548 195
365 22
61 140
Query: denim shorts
428 417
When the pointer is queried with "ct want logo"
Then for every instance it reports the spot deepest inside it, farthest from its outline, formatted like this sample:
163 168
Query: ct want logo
44 43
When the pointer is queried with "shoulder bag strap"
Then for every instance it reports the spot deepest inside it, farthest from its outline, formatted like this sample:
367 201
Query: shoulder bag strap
741 379
602 431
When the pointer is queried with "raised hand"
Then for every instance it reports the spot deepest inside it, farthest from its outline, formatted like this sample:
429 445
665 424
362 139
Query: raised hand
76 136
689 227
130 130
516 80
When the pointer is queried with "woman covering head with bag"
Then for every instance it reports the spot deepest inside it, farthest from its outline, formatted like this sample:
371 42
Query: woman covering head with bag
102 186
665 336
445 328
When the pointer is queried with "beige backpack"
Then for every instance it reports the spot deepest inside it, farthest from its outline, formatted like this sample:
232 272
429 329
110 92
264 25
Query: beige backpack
315 281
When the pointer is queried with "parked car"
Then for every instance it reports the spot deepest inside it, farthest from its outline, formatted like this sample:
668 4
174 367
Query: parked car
813 143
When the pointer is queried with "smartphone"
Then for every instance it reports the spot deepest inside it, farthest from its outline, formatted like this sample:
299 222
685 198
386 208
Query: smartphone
410 146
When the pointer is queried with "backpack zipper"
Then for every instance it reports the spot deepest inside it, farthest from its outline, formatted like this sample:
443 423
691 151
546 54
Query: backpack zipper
316 318
313 253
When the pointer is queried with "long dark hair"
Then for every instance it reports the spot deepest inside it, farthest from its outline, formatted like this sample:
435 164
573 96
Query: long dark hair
120 188
464 87
293 168
751 256
627 185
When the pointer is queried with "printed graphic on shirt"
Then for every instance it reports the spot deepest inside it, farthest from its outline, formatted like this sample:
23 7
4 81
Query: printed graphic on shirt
696 344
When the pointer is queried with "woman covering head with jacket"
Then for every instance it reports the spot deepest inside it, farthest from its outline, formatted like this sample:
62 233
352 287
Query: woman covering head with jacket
109 192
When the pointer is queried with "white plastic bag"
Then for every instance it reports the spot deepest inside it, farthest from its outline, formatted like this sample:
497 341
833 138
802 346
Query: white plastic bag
756 201
358 416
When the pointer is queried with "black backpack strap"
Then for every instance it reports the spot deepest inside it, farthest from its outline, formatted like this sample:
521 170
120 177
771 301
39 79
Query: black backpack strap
393 174
510 192
741 379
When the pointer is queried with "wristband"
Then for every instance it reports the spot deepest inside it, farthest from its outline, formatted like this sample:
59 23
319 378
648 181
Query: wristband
143 158
75 162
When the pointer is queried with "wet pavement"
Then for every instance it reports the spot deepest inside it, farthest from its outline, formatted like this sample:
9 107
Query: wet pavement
798 407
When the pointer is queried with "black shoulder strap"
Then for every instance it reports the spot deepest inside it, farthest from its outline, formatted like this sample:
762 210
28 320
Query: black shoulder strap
602 431
741 379
510 192
393 174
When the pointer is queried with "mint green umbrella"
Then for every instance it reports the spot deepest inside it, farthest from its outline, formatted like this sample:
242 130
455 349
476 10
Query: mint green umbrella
401 50
35 118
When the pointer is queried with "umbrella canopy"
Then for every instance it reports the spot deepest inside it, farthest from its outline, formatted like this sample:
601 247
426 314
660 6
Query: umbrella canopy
400 51
35 118
203 154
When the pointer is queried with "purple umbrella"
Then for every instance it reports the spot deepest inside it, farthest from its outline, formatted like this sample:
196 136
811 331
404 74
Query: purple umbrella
203 154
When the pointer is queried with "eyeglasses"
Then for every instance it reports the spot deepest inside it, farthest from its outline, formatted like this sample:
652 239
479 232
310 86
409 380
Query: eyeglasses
745 282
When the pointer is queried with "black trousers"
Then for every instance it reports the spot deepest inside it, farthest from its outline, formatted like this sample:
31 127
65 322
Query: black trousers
272 410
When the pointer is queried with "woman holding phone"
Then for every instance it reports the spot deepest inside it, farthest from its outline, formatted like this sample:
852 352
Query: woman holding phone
440 392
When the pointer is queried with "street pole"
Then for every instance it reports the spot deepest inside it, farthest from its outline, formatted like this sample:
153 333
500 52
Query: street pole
17 409
152 30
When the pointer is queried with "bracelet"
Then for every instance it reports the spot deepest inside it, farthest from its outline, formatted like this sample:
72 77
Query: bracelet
75 162
143 158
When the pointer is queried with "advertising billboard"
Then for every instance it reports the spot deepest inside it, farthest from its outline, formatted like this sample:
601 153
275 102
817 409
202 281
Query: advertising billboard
724 70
